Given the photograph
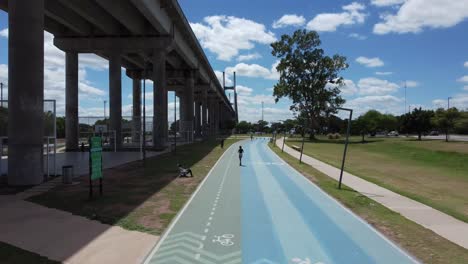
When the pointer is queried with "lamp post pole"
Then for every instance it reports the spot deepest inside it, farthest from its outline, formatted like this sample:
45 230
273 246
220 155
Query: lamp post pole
284 139
1 94
175 123
144 116
447 130
105 102
346 143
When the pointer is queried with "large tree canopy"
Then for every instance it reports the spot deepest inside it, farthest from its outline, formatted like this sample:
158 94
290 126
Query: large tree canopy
306 75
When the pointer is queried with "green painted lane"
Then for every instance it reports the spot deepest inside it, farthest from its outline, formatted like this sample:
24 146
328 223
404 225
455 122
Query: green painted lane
208 229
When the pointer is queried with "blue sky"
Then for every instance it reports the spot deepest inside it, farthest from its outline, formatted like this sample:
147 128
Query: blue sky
387 42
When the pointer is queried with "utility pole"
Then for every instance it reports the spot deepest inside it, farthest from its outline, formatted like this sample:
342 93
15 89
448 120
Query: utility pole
235 93
105 110
262 111
235 99
405 95
1 94
175 122
144 114
447 130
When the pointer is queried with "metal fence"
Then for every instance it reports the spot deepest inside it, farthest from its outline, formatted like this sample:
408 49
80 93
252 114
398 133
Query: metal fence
50 135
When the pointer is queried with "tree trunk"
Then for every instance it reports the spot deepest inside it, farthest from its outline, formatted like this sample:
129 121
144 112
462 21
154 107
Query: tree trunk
363 140
311 136
419 136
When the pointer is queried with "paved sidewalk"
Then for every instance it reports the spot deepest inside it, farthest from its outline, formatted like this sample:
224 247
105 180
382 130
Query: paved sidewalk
68 238
444 225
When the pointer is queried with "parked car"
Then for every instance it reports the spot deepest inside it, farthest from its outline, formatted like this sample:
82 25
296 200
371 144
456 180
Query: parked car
434 133
393 134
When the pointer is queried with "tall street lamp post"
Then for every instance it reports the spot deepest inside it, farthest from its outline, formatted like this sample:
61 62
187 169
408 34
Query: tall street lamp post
346 143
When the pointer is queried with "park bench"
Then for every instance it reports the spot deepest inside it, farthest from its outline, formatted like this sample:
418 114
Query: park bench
296 147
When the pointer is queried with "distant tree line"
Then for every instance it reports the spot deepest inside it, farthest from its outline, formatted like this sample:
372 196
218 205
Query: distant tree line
419 122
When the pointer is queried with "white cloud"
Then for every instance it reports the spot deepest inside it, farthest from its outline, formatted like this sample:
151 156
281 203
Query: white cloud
381 103
416 15
348 88
254 70
370 62
463 79
383 73
375 86
357 36
459 101
54 74
243 90
329 22
270 114
248 57
255 100
412 84
227 35
289 20
465 88
219 75
381 3
466 64
4 33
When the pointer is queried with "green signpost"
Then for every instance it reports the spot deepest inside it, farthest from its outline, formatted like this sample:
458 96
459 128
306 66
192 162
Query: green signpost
95 163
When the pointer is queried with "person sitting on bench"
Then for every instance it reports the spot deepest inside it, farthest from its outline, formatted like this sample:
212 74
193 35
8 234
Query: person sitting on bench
183 172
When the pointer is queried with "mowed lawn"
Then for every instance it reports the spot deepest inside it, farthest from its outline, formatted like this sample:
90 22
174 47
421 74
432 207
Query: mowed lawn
432 172
136 196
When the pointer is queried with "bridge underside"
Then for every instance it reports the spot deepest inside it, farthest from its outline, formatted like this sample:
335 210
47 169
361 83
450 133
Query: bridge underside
151 39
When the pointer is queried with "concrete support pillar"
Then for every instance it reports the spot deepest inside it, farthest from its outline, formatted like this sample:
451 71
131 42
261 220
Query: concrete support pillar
217 117
198 130
71 101
204 108
187 121
26 92
159 100
211 111
136 109
115 97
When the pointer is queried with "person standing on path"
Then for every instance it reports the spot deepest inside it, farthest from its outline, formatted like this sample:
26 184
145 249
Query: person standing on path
222 143
241 152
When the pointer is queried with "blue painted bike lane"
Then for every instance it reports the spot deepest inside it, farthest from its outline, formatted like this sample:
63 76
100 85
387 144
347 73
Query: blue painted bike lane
265 212
287 219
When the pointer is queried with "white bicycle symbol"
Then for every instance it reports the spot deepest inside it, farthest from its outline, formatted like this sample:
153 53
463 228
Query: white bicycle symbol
224 240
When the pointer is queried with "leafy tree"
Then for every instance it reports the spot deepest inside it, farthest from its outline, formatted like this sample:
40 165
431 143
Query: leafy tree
60 127
367 123
387 122
334 124
3 121
289 124
305 75
261 126
277 126
445 119
418 121
174 126
461 125
243 127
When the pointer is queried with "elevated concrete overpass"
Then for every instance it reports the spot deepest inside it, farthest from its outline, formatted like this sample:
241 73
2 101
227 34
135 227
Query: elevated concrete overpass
151 39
